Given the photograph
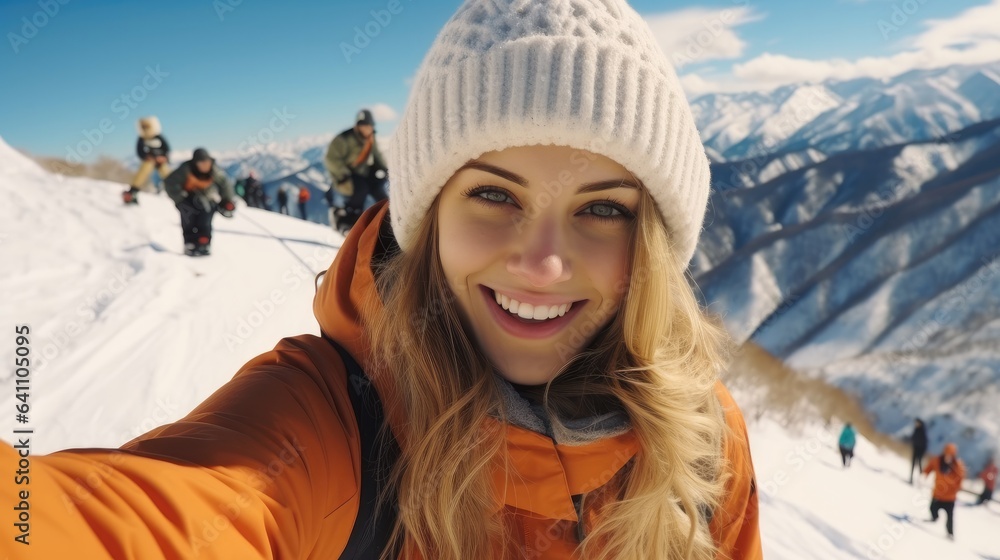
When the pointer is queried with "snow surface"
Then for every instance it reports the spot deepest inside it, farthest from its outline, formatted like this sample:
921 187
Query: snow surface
128 333
156 332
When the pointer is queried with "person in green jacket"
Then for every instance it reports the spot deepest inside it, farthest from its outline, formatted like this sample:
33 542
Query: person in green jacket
199 189
357 169
847 441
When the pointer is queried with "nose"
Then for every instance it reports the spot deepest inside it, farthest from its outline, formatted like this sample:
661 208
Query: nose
542 259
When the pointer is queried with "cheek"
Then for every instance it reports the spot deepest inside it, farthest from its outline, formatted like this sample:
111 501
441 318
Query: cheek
607 267
467 246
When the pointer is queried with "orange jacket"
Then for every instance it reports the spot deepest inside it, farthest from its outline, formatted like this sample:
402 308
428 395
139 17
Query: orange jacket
946 485
303 195
268 466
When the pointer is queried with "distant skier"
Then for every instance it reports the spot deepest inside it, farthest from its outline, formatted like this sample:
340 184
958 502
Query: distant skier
949 473
356 168
303 200
199 189
283 200
253 191
847 441
918 442
153 152
989 477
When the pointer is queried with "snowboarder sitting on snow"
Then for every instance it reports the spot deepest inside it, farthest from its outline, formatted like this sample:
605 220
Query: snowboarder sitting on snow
356 168
950 471
198 188
989 476
153 152
847 441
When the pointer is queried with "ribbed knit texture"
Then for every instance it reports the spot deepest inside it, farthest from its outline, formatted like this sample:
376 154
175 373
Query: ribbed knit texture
586 74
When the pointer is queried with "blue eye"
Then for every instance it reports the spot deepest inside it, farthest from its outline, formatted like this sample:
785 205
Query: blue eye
490 195
604 210
608 210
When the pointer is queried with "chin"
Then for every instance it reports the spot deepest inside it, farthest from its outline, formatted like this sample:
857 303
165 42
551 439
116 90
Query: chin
521 373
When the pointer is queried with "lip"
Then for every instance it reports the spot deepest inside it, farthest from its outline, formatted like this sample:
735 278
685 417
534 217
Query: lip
521 329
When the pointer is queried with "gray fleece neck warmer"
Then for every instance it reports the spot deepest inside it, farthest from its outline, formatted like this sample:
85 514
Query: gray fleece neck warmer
534 417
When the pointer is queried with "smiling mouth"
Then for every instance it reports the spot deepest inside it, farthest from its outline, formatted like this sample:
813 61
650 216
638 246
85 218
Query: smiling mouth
530 313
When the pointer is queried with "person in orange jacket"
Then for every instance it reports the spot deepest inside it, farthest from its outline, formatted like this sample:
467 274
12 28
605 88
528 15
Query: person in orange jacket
511 361
303 200
949 471
989 477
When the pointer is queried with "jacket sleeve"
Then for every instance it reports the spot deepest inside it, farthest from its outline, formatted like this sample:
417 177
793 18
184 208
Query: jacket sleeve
140 149
336 160
735 525
931 465
257 470
166 147
174 183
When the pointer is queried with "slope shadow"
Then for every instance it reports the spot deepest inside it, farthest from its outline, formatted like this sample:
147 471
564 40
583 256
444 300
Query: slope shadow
283 239
835 537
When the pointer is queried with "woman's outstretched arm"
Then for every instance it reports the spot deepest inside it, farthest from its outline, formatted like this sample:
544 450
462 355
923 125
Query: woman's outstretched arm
264 468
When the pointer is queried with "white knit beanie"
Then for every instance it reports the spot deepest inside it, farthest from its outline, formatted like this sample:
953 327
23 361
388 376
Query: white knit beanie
587 74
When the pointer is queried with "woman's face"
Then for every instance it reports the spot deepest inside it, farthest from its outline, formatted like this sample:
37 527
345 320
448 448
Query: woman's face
545 230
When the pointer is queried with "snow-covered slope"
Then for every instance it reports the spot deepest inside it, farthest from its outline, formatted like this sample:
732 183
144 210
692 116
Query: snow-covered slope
813 508
127 332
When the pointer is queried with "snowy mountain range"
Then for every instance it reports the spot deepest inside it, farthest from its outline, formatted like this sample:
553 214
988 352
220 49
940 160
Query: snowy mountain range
838 116
877 270
128 334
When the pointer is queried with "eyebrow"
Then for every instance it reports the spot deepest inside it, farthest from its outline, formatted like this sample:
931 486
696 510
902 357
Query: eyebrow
622 183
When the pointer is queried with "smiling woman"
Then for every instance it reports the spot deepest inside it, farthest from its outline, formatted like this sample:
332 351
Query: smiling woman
565 254
513 364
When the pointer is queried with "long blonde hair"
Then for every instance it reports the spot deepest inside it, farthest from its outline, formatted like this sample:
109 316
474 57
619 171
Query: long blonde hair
658 359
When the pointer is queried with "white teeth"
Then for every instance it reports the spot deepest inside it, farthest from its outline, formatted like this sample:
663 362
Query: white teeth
526 311
529 311
541 312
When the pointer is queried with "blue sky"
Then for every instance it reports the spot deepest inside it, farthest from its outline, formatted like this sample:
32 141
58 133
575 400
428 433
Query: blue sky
217 72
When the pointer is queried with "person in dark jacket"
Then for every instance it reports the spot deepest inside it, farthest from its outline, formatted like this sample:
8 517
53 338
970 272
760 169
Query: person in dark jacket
357 169
199 189
989 477
918 442
283 200
847 442
153 152
253 191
